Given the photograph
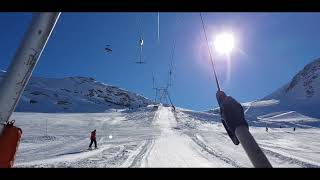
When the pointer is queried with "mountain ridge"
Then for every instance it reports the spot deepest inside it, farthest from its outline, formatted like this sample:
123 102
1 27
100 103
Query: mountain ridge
75 94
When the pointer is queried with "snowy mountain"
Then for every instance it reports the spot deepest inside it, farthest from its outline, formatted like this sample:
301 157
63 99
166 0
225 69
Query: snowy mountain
304 86
75 94
301 94
294 104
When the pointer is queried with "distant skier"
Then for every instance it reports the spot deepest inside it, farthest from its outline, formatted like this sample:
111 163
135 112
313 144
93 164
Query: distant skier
267 129
294 129
93 139
174 108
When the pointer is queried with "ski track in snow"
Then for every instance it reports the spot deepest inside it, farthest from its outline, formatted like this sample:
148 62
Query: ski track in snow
173 149
63 153
212 152
141 153
289 159
136 157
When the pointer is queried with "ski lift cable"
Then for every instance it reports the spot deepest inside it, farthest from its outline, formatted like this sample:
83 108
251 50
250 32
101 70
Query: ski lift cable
212 64
158 27
141 41
140 29
171 67
173 53
173 48
158 38
241 132
169 98
171 63
158 50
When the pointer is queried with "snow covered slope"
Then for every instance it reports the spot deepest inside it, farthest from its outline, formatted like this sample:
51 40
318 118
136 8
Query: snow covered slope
146 137
75 94
301 95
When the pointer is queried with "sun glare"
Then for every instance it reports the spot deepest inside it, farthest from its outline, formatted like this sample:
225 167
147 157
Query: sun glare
224 43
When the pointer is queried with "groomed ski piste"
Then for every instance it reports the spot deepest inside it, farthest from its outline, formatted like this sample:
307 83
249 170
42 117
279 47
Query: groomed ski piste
146 137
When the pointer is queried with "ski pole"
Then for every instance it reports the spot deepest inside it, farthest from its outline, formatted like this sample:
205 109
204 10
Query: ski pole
254 152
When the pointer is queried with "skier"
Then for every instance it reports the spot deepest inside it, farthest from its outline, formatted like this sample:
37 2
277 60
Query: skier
267 129
174 108
93 139
294 129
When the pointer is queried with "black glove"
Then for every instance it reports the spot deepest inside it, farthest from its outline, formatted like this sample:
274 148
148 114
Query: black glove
232 115
232 135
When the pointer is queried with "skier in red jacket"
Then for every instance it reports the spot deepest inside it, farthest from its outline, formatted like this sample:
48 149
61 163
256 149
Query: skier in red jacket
93 139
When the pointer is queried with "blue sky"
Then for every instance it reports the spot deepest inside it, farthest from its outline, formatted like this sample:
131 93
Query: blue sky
270 49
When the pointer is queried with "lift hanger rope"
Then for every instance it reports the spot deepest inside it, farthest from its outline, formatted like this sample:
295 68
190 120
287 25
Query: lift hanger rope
212 64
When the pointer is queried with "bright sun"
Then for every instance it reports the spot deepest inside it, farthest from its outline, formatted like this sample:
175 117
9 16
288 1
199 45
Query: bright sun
224 43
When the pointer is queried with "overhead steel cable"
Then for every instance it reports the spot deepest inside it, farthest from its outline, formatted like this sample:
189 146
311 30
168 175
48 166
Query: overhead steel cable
212 64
